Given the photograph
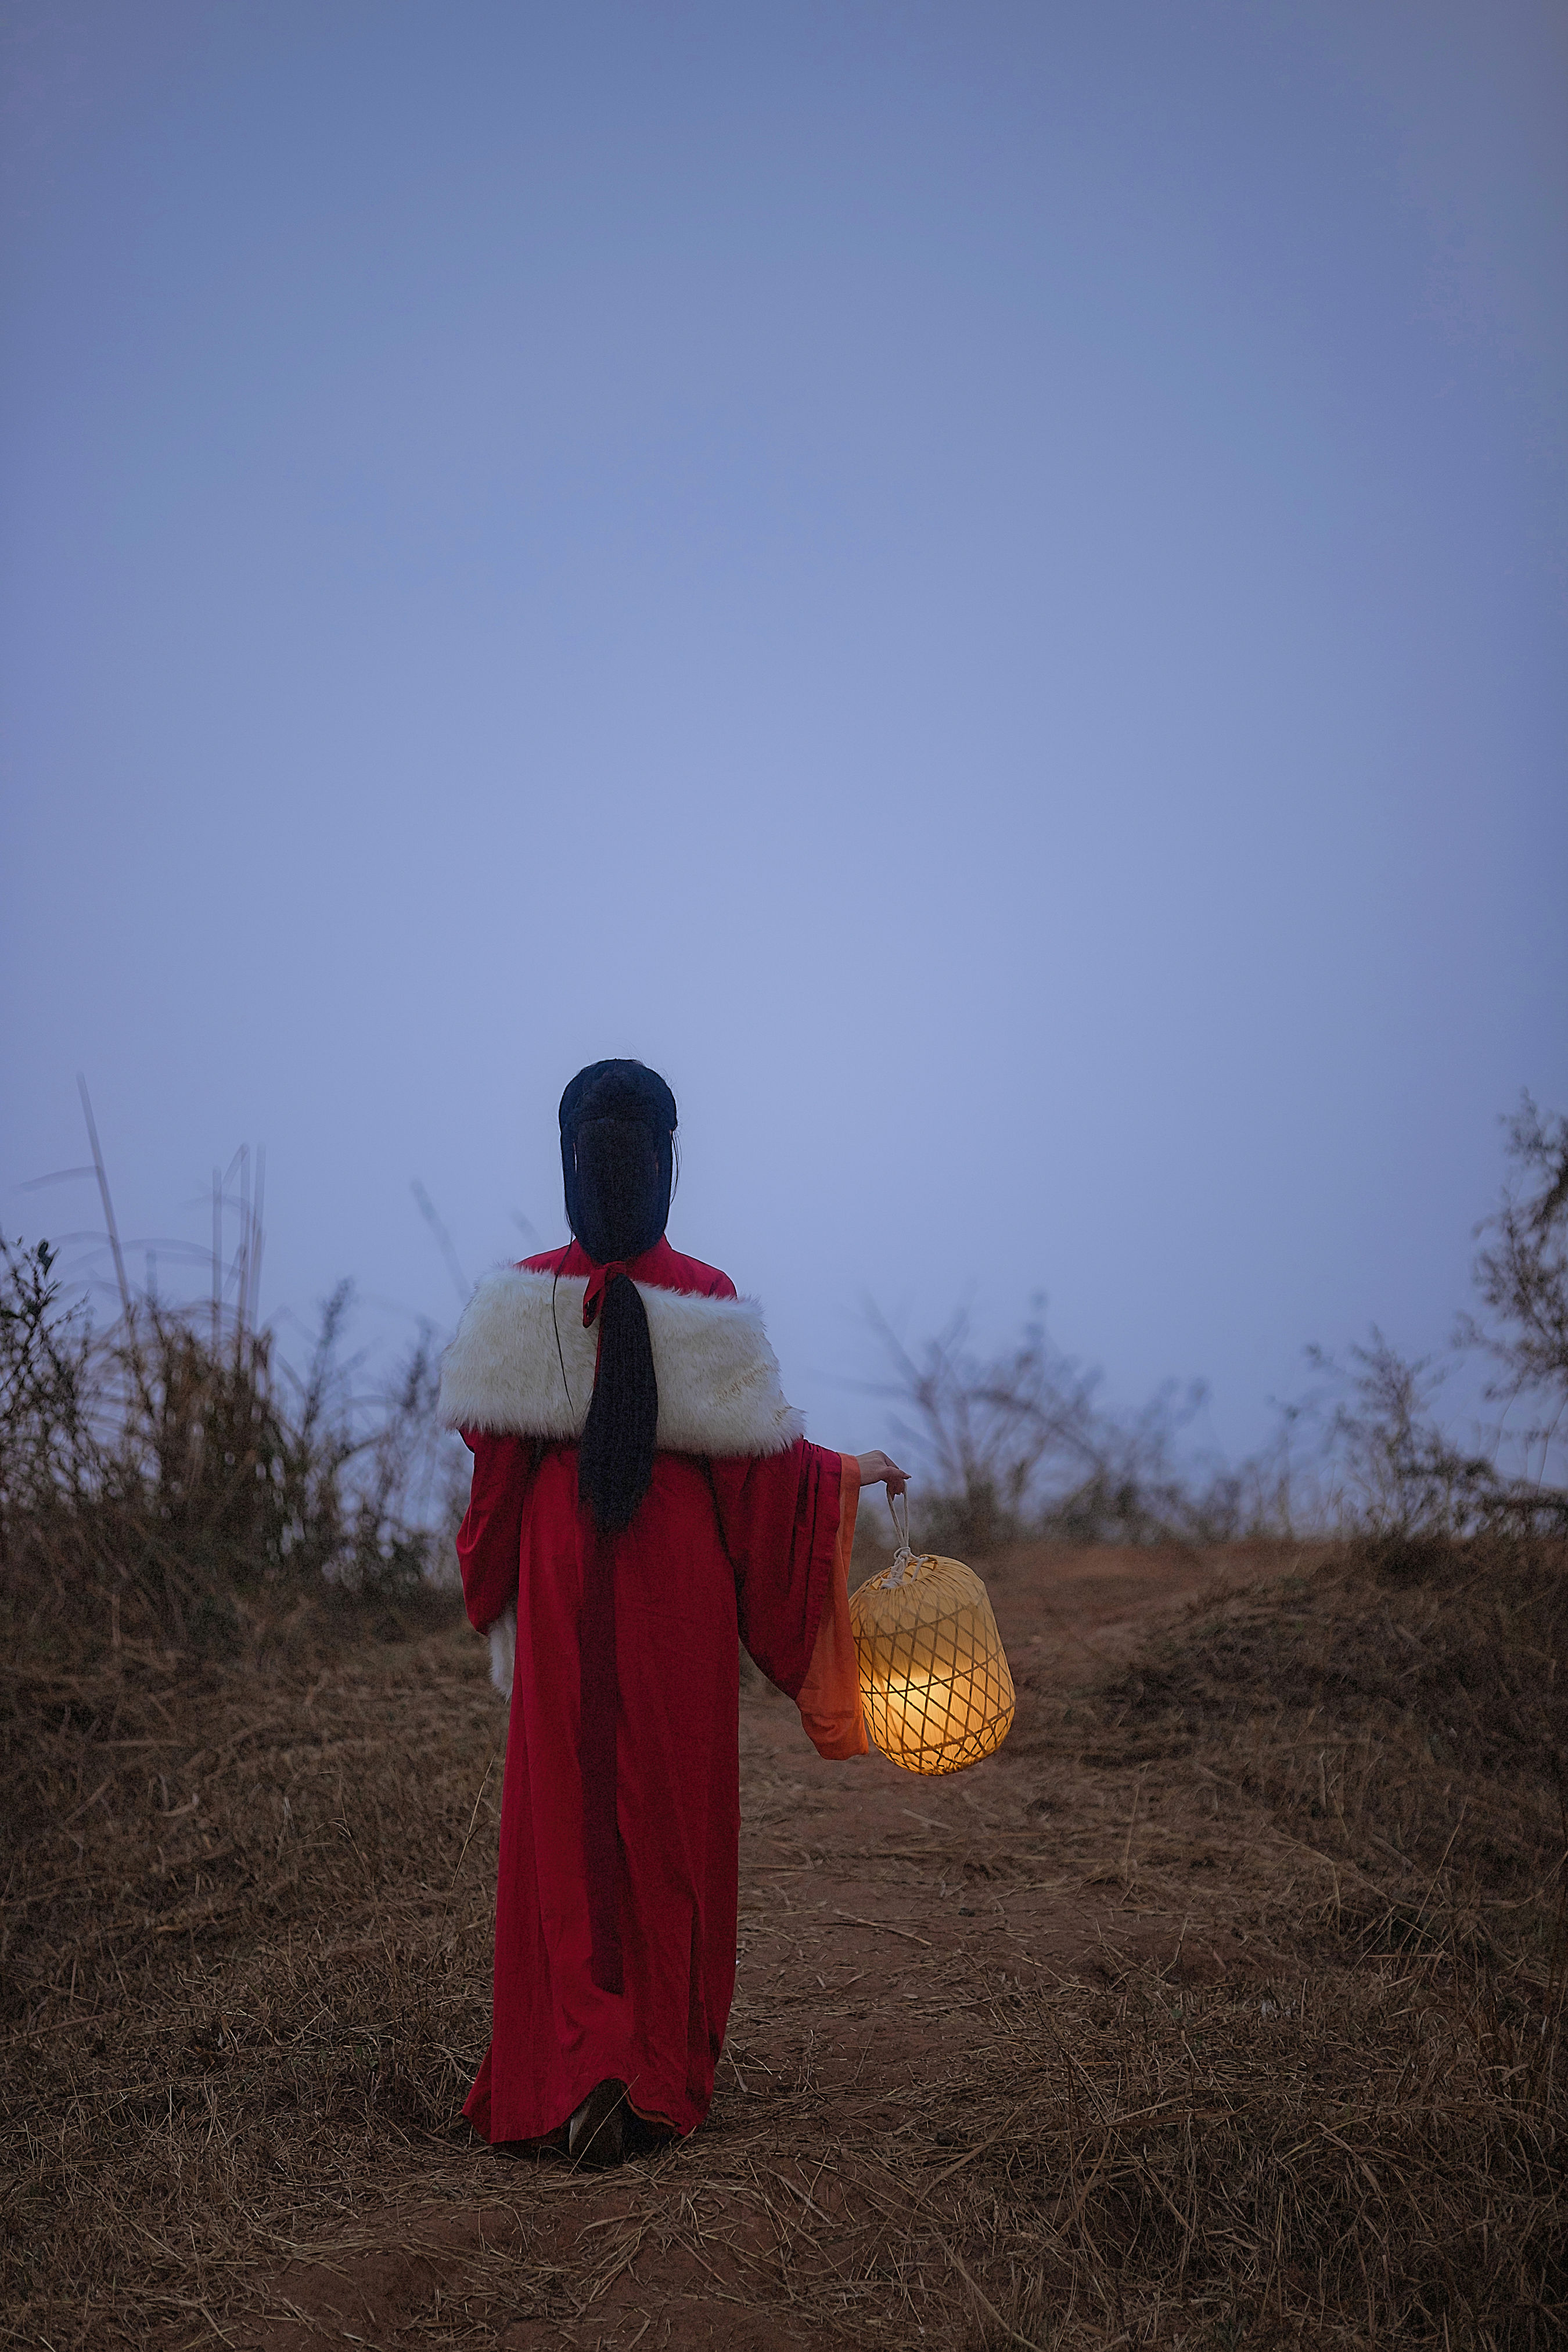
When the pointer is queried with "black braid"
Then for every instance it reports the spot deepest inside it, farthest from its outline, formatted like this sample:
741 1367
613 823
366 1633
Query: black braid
615 1456
618 1131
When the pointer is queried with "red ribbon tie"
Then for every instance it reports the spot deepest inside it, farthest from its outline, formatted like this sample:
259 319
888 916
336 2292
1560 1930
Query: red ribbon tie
599 1282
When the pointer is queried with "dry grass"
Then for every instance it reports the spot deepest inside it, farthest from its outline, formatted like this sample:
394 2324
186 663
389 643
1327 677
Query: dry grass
1223 2009
1403 1713
238 1950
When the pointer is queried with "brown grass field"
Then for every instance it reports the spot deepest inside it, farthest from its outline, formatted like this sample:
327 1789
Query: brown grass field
1223 2008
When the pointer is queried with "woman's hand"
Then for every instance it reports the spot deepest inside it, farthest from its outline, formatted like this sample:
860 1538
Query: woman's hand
875 1470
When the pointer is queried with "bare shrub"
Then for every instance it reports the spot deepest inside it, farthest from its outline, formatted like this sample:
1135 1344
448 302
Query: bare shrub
1019 1445
174 1465
1390 1469
46 1349
1522 1278
990 1431
1396 1472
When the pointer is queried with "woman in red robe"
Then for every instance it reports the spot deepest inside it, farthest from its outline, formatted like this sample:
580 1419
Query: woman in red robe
643 1500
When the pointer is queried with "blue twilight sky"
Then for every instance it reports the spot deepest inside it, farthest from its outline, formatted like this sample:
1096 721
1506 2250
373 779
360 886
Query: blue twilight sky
981 583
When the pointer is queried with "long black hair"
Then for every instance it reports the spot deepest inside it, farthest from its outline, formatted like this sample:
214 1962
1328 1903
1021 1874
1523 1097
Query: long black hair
617 1158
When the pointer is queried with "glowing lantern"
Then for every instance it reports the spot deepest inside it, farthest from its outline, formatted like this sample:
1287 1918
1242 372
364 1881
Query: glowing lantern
934 1680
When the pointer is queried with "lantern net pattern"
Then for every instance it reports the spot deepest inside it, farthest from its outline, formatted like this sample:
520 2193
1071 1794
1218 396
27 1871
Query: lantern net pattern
934 1679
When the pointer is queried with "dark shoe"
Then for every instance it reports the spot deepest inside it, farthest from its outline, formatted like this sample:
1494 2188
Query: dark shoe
645 2135
597 2134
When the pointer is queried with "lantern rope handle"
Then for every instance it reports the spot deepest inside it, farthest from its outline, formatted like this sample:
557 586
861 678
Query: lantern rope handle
903 1559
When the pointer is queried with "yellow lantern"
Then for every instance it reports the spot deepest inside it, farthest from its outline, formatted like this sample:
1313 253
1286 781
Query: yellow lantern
934 1680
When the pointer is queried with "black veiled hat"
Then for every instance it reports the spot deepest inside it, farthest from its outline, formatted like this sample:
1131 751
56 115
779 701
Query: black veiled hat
617 1158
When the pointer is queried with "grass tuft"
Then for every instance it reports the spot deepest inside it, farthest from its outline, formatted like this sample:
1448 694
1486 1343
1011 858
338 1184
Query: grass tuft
246 1967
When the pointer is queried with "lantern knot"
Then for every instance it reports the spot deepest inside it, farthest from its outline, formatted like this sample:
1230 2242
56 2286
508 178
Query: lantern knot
903 1559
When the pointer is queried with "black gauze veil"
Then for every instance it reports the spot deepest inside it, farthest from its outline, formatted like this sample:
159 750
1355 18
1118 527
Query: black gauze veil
618 1156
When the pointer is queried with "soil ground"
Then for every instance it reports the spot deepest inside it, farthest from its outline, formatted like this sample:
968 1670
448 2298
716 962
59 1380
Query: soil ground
890 1927
1220 2008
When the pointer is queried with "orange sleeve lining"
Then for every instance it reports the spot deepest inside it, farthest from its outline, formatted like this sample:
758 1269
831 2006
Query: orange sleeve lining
829 1697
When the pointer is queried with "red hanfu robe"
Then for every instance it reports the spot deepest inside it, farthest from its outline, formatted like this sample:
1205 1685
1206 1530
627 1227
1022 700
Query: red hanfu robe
747 1547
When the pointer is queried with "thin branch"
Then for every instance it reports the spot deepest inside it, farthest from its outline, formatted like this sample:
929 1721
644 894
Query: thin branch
102 1175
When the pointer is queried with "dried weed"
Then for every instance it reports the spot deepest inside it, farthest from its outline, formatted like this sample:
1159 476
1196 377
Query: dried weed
1299 2083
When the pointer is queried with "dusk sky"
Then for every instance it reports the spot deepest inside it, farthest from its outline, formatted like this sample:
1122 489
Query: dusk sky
981 585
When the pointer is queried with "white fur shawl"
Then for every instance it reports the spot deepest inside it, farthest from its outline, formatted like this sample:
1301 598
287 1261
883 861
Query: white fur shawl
522 1366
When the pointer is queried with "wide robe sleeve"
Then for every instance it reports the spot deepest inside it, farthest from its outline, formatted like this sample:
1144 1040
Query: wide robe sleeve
490 1540
787 1521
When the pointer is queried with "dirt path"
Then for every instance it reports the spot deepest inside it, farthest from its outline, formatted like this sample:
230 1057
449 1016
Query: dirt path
890 1929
